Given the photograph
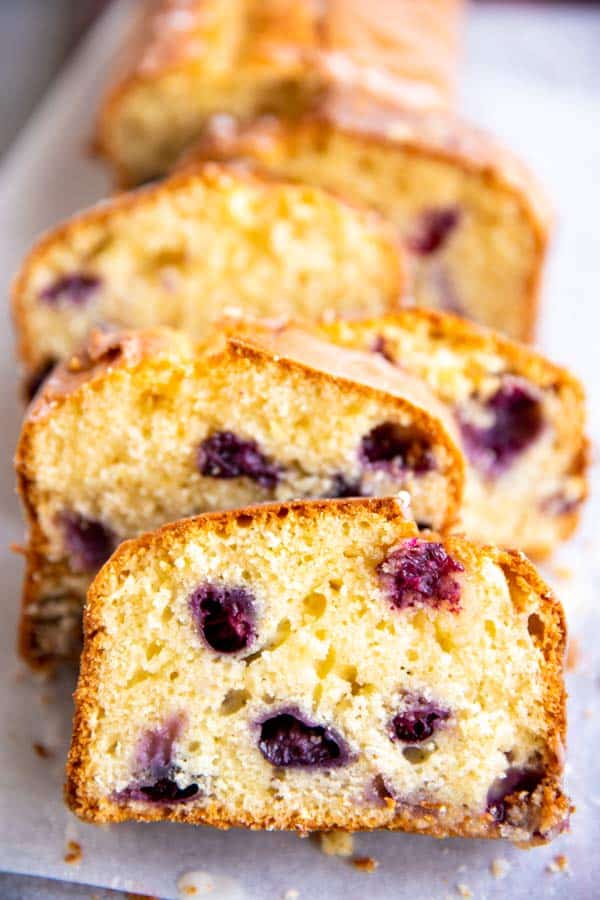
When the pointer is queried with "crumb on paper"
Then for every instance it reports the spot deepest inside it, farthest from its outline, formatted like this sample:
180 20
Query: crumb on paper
562 572
74 853
573 655
337 843
18 548
365 863
291 894
464 891
42 751
199 883
559 864
499 867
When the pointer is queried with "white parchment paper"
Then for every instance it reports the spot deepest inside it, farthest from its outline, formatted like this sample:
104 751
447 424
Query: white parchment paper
534 77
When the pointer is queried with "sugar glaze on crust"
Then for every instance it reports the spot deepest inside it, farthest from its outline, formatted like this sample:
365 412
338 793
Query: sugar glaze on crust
279 56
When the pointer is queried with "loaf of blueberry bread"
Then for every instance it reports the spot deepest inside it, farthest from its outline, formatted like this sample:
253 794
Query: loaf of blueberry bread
189 59
473 219
144 428
520 417
319 665
180 253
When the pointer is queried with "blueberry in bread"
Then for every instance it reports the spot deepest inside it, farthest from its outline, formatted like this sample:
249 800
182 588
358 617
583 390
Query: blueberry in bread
521 420
188 59
473 219
143 428
180 253
319 665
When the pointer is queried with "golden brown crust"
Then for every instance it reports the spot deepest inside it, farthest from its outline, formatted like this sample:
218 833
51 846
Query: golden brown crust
404 51
436 135
549 632
212 174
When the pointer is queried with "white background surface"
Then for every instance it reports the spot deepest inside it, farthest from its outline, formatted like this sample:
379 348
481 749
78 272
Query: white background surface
533 76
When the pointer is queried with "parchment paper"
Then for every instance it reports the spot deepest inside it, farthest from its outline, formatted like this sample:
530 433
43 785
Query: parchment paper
533 75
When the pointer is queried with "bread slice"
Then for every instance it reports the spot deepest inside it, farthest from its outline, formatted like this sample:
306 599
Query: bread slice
320 665
188 59
144 428
180 253
521 419
473 219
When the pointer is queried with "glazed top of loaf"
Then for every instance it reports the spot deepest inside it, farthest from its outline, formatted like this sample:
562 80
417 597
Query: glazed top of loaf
402 49
439 134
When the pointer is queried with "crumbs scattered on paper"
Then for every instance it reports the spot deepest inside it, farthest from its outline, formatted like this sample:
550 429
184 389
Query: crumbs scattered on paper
573 655
291 894
464 891
197 883
560 864
365 863
337 843
42 751
499 867
74 853
563 573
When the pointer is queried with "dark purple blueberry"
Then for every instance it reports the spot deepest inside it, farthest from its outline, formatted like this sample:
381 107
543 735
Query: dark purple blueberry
165 790
225 455
393 448
420 574
515 781
343 487
289 740
379 346
516 422
433 228
37 378
224 616
89 543
154 767
76 289
418 721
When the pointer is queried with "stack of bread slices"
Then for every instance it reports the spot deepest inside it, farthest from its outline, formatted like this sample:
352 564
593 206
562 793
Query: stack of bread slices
285 452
